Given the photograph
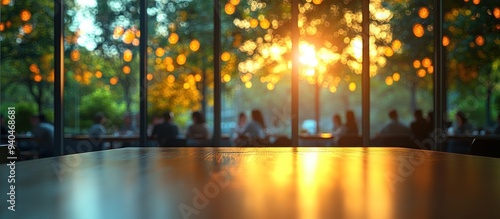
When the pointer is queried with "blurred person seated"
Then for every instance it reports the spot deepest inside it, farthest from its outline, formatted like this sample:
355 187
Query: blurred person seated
350 127
254 132
461 126
128 128
255 128
420 127
338 128
97 131
43 135
242 123
395 127
166 132
199 129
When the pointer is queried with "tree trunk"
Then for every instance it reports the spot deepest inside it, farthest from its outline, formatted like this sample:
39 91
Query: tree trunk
488 105
204 93
413 97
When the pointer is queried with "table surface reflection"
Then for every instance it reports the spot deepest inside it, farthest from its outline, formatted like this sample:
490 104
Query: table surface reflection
256 183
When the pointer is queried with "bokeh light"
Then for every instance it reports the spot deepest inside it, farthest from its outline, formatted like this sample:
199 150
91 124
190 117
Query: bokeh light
418 30
396 45
352 86
430 69
225 56
423 12
194 45
126 69
171 79
317 2
25 15
264 24
229 9
5 2
98 74
479 40
149 77
446 41
389 52
226 78
270 86
113 80
75 55
496 13
37 78
426 62
127 55
396 76
160 52
254 23
476 2
421 73
181 59
34 68
389 81
27 28
173 38
416 64
248 84
234 2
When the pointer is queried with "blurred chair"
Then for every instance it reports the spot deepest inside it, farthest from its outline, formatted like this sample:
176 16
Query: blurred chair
393 141
459 145
350 141
199 142
282 141
485 147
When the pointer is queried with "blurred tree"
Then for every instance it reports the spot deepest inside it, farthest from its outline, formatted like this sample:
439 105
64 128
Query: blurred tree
27 52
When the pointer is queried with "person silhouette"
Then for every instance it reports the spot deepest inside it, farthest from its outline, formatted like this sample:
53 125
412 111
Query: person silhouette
420 128
351 128
166 132
199 129
395 127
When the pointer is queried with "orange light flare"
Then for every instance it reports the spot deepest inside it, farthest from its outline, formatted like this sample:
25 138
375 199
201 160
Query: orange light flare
418 30
27 28
194 45
173 38
423 12
25 15
75 55
127 55
126 69
229 9
446 41
113 80
308 55
496 13
37 78
479 40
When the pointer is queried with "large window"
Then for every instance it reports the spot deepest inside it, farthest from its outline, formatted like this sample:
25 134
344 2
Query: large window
102 64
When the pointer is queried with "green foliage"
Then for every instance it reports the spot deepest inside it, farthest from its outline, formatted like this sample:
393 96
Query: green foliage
103 101
24 112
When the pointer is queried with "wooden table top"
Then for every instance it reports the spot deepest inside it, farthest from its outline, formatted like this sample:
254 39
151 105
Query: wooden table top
256 183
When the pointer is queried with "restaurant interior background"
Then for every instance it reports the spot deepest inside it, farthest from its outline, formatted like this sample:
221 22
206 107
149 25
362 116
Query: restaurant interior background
102 61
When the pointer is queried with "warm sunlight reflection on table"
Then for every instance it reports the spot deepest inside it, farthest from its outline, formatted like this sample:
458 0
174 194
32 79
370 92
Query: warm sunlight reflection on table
258 183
